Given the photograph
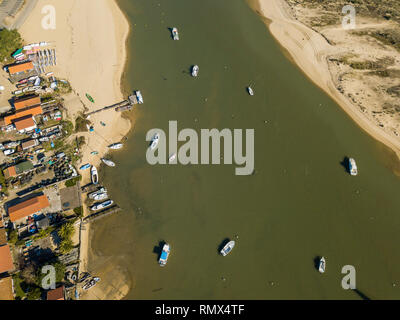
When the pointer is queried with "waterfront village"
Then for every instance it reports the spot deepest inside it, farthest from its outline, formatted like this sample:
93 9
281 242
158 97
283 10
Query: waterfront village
43 204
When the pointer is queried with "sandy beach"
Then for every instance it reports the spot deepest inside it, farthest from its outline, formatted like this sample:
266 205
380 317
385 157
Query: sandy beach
310 51
90 39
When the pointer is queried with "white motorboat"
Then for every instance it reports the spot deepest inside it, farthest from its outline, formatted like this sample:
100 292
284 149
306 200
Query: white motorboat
321 266
195 71
139 97
154 141
172 158
175 33
353 167
94 194
94 175
164 255
227 248
102 205
250 91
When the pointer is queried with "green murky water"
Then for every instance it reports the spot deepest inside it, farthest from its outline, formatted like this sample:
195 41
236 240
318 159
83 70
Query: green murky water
299 204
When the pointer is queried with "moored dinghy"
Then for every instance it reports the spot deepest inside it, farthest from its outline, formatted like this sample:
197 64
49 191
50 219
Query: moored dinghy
175 33
195 71
108 162
115 146
250 91
154 141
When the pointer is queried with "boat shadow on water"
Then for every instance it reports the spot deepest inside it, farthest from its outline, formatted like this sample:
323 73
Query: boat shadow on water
316 262
222 245
345 163
158 249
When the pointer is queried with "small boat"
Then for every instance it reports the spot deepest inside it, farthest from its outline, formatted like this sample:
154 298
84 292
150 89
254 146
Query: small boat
108 162
94 152
154 141
250 90
102 123
227 248
94 194
172 158
195 71
175 33
95 175
164 255
85 166
100 196
8 151
115 146
89 97
321 267
353 167
102 205
139 97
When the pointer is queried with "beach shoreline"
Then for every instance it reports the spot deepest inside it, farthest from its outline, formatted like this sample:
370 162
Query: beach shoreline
91 42
309 50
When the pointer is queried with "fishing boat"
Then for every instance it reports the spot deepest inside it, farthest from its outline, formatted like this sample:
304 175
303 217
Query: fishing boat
102 205
172 158
115 146
321 266
95 175
353 167
195 71
94 194
154 141
89 97
250 91
108 162
175 33
164 255
227 248
139 97
85 166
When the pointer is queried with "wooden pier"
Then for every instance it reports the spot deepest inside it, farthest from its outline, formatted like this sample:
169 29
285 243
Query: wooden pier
119 107
101 214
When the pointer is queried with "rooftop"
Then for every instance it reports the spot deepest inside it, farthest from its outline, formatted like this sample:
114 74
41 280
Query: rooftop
31 111
21 67
6 262
56 294
28 207
6 289
24 123
26 101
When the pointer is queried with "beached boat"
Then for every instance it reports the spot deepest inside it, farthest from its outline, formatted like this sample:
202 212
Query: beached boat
94 152
102 205
154 141
100 196
321 266
172 158
85 166
227 248
89 97
353 167
195 71
164 255
94 175
8 151
175 33
94 194
139 97
115 146
250 91
108 162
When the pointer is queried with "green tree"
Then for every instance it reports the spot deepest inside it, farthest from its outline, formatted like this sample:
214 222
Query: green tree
66 246
13 236
10 41
66 231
